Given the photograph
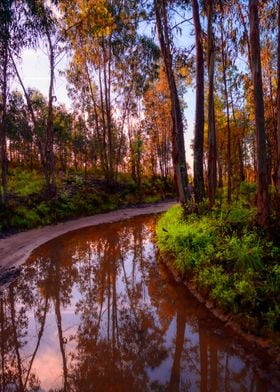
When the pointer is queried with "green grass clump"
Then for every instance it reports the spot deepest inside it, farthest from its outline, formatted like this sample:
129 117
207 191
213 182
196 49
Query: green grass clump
24 183
229 259
25 218
191 242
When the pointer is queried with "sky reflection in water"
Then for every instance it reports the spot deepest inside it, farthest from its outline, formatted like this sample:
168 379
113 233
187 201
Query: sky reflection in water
93 311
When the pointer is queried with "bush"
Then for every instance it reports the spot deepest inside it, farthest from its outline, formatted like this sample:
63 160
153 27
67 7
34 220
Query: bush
25 183
24 218
228 258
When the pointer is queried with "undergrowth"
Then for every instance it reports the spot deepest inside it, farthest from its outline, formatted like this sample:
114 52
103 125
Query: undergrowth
76 196
228 258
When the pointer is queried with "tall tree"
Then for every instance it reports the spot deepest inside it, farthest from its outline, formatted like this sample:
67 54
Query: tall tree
224 53
212 147
278 103
262 180
5 27
178 144
199 110
44 25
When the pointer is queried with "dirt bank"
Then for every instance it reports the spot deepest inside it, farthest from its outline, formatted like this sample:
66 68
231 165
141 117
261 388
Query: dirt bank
15 249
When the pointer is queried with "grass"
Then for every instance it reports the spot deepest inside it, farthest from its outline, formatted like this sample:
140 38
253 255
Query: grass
24 183
229 260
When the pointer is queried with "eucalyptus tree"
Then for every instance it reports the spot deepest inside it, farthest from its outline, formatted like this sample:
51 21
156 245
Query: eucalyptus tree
199 109
178 144
212 144
278 102
229 85
14 35
19 132
5 28
46 30
136 69
111 64
262 180
63 136
158 125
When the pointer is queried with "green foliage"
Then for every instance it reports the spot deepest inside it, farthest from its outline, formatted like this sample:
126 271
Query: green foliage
228 257
247 188
44 211
245 252
25 218
24 183
76 196
217 284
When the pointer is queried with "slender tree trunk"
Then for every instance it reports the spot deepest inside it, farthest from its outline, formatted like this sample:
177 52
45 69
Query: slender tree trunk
246 33
212 147
34 122
262 181
224 65
107 94
219 171
104 128
240 144
199 111
3 137
51 184
278 106
178 144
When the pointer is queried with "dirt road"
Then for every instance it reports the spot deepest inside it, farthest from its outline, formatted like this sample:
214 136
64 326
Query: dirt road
15 249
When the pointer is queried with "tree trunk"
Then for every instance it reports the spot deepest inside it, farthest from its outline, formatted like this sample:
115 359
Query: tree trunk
262 181
41 147
224 65
199 111
49 154
212 147
107 96
278 106
178 144
3 137
240 144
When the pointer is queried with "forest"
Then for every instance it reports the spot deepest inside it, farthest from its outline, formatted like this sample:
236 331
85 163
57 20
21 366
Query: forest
129 66
128 89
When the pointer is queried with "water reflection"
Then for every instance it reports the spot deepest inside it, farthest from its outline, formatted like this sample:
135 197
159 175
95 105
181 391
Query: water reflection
93 311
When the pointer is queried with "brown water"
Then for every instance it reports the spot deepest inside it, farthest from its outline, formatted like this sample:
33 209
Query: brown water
93 310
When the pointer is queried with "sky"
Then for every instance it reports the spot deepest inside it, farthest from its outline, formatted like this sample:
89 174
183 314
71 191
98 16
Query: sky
34 69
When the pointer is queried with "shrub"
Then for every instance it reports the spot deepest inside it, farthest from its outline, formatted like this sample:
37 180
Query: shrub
25 183
24 218
245 252
228 257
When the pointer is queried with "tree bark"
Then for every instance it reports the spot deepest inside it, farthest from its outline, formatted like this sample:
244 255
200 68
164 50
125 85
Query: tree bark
3 137
278 105
212 147
262 180
49 154
224 65
199 111
178 144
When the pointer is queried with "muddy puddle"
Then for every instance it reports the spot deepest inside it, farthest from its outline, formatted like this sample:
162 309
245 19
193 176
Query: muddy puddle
93 310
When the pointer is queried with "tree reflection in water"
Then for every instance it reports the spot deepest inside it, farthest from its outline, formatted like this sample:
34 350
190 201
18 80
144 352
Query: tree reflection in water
94 311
